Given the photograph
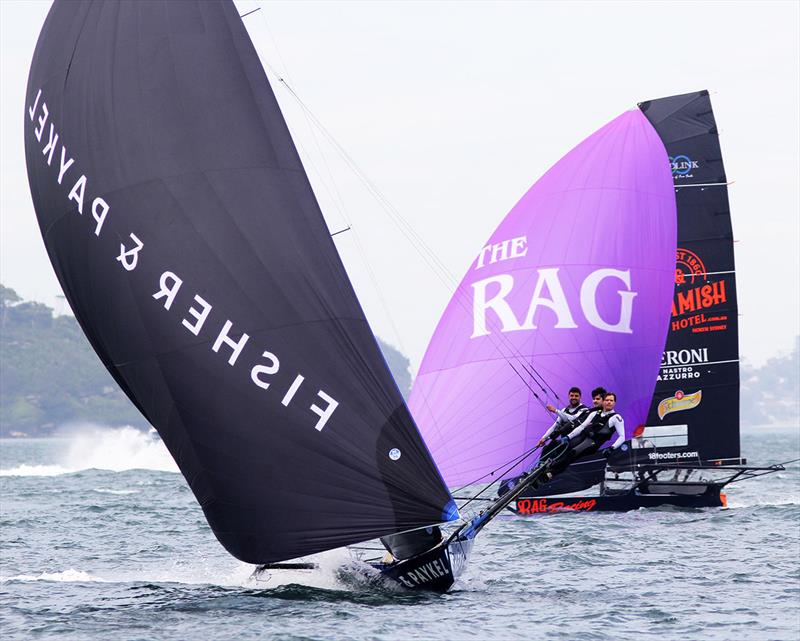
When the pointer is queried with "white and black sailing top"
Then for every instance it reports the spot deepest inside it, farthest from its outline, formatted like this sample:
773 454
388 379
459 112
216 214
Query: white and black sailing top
615 421
578 416
565 419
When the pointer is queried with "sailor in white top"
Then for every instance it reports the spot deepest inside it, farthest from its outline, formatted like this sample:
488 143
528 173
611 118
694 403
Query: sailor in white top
597 428
565 418
591 435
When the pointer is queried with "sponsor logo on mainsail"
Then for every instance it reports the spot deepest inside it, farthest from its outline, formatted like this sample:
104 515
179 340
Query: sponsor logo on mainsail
679 364
696 295
682 166
676 357
679 403
546 292
688 266
226 340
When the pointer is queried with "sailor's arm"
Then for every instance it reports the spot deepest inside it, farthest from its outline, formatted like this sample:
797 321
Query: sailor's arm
564 416
587 421
618 424
548 432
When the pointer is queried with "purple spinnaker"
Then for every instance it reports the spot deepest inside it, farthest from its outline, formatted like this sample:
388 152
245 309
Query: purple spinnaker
573 288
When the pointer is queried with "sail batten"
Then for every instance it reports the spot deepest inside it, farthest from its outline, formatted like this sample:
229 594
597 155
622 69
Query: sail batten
190 246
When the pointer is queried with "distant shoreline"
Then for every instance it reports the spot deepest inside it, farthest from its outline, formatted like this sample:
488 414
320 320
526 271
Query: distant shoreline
64 432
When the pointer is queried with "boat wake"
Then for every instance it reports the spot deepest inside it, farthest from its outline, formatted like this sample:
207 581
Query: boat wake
93 447
336 570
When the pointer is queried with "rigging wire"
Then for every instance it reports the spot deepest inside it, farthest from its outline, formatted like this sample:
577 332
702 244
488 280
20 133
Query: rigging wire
425 252
504 346
562 448
507 465
330 185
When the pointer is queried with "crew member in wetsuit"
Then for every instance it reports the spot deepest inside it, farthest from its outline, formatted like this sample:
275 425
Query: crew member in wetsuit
588 437
569 419
565 421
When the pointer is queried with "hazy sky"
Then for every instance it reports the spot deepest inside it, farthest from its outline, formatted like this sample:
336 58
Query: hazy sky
454 109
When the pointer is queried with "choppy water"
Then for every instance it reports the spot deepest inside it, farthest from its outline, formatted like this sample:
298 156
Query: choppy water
125 553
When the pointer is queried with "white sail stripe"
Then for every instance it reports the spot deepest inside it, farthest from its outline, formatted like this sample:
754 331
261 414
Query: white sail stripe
703 185
735 360
730 271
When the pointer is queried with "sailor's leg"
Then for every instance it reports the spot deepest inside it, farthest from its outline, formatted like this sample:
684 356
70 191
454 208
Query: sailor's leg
583 448
562 456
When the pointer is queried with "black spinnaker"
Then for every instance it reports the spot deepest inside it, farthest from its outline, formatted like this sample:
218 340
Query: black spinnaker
187 239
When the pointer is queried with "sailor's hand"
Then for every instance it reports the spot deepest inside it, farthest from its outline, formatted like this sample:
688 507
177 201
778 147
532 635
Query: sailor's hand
541 442
551 408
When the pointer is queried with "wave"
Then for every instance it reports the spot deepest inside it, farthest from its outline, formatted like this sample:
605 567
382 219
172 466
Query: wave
67 576
114 449
35 470
103 490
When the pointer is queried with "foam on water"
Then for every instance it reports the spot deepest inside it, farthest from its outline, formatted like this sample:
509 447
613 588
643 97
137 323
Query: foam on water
35 470
67 576
103 490
336 571
93 447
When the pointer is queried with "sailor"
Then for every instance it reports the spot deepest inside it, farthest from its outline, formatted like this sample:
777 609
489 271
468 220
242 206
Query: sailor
570 420
588 437
598 393
565 420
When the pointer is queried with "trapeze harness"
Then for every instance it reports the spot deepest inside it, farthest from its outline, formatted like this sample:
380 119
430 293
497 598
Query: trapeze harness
587 442
594 436
562 427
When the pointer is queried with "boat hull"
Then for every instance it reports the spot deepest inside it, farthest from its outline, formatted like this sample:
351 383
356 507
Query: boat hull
435 570
708 496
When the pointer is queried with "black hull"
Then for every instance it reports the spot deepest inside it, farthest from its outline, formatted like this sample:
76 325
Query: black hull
710 496
689 485
433 571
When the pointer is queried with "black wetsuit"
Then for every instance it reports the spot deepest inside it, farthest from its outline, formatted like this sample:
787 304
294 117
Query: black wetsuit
589 441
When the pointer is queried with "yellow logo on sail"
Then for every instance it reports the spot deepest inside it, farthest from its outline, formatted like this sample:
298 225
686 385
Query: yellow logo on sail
679 402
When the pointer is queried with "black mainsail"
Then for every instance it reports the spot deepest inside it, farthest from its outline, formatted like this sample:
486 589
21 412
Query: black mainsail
697 393
188 241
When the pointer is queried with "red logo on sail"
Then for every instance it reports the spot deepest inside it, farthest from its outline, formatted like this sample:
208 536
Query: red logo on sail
688 266
691 304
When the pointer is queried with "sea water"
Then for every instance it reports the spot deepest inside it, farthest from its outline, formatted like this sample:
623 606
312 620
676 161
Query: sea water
101 538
